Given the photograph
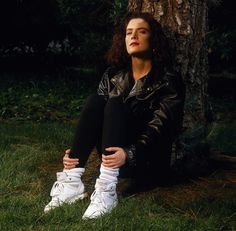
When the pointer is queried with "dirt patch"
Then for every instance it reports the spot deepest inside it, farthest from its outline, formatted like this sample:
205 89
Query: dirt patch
221 184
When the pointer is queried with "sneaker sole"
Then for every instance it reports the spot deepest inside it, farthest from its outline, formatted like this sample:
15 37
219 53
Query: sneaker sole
80 197
93 216
71 201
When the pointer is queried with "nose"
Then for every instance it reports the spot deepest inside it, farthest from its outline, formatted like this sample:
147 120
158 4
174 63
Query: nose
134 34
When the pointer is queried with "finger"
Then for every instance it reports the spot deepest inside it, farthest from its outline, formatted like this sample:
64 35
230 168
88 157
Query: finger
67 152
70 162
110 161
110 165
113 149
68 167
114 160
107 161
70 159
105 164
109 157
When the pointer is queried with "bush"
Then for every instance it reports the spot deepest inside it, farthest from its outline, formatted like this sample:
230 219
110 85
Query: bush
43 100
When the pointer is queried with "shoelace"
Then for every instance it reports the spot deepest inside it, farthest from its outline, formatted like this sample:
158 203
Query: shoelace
57 188
98 198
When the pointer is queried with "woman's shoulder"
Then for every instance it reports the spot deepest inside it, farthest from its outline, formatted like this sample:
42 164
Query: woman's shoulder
112 71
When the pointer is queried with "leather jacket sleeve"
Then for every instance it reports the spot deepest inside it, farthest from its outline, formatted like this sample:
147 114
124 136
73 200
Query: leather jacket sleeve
166 114
104 84
165 122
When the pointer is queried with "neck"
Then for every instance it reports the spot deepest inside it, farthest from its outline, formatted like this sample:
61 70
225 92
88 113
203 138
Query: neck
140 67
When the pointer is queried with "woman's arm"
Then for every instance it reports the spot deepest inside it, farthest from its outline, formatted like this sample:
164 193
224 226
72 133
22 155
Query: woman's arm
166 120
104 84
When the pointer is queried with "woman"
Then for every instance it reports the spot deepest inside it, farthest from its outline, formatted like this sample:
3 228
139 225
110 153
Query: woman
133 118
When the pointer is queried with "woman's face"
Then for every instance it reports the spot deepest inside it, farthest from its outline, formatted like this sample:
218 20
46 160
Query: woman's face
137 37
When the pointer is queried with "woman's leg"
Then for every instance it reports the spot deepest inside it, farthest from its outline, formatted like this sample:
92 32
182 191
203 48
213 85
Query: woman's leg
99 117
69 187
115 123
114 135
89 128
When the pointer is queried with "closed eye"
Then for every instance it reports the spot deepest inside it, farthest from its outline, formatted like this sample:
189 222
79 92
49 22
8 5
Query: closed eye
143 31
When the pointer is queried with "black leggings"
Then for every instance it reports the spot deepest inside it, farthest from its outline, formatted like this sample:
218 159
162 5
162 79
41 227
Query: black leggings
102 123
106 123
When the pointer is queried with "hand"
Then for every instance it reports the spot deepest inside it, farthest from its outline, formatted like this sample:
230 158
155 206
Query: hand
69 163
115 160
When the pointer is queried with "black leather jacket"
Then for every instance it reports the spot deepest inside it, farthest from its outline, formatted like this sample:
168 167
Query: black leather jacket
158 99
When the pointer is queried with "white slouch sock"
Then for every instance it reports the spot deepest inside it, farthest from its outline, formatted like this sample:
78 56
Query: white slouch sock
108 175
75 172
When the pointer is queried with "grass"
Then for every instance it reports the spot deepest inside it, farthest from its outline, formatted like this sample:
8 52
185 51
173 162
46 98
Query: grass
30 156
34 132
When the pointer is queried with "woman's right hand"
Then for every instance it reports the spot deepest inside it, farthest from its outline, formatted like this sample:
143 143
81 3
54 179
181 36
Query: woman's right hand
69 163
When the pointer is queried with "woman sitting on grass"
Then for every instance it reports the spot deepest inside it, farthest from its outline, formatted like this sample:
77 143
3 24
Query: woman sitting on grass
132 119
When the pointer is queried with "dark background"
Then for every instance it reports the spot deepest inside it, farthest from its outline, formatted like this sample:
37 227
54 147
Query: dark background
50 35
52 54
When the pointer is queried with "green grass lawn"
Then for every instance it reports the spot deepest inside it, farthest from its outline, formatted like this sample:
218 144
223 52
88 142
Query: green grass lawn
30 156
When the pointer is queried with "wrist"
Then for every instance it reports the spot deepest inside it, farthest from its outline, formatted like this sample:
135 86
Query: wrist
131 155
126 154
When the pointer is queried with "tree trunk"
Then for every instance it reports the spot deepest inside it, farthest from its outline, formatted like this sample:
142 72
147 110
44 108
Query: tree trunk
185 25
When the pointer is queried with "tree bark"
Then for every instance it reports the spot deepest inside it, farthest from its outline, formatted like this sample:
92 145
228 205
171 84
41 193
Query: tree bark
223 160
185 25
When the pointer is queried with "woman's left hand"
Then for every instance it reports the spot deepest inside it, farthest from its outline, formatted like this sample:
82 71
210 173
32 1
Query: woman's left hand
115 160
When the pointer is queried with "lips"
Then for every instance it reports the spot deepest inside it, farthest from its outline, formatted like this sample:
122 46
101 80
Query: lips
134 44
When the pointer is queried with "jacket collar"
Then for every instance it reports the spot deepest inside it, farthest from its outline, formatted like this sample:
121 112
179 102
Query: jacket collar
122 79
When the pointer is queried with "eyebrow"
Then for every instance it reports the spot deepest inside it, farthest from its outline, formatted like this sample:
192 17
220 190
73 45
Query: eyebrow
139 28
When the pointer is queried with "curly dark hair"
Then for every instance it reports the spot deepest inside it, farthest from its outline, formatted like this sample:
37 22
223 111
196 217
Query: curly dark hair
117 55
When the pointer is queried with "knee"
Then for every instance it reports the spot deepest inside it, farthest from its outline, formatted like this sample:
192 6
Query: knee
95 98
94 101
114 105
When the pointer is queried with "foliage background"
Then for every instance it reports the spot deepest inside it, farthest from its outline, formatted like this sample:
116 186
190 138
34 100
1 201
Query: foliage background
52 53
51 58
57 34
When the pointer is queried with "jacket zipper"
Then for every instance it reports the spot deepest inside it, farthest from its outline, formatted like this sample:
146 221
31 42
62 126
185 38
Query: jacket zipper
130 96
116 85
134 94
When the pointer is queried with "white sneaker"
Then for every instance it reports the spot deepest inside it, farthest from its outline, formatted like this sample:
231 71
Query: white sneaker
103 200
67 189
